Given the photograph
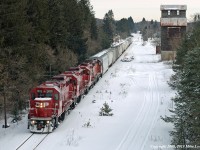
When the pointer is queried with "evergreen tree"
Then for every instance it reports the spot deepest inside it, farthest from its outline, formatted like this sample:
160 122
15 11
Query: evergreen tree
122 25
109 29
38 35
125 27
191 87
93 29
105 110
86 14
14 41
38 53
187 129
131 25
143 19
75 39
37 16
190 42
155 25
186 81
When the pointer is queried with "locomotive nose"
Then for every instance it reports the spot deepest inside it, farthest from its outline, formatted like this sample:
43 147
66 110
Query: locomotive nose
43 108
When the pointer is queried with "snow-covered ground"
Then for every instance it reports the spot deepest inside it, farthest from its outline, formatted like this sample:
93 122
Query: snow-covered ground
138 93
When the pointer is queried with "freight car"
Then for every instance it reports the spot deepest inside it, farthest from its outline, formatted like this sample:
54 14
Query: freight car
50 101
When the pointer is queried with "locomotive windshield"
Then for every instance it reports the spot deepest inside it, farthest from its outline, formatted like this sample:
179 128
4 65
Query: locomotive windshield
49 93
45 93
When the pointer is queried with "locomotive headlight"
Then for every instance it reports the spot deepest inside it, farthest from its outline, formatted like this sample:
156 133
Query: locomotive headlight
33 122
41 105
48 121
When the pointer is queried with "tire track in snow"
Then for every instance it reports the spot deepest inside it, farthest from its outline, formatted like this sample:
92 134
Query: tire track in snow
135 83
142 123
157 98
124 140
138 132
133 129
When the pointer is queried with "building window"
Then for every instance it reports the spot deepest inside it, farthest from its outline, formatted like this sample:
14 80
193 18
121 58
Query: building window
168 12
178 12
173 32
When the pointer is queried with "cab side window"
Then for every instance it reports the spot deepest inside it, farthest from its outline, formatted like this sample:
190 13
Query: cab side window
56 97
32 96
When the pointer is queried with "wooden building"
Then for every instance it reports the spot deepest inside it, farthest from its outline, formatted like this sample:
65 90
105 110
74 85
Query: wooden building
173 23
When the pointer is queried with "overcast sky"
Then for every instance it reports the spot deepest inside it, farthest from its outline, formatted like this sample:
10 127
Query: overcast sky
137 9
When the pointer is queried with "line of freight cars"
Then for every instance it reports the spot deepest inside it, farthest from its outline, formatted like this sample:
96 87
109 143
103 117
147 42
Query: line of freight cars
50 101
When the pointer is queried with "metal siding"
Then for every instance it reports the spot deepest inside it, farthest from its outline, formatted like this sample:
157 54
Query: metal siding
120 49
114 54
105 63
173 22
173 7
110 57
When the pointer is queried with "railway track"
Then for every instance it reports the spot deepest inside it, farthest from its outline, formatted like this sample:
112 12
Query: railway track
139 131
32 142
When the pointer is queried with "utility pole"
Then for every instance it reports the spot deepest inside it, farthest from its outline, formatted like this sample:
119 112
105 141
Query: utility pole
5 115
4 102
50 70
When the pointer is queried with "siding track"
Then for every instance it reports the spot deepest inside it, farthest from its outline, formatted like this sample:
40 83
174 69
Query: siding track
140 128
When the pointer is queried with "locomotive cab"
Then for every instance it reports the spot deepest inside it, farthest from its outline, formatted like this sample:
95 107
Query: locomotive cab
44 107
87 75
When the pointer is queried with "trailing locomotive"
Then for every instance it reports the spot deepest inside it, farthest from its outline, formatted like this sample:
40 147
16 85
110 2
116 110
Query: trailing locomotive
50 101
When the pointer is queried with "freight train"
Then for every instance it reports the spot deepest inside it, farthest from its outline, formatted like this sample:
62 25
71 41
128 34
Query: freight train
50 101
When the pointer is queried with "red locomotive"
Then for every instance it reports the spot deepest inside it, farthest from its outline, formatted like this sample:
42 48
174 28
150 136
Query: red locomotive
50 101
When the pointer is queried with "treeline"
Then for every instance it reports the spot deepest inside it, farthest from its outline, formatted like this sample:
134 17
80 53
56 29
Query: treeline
186 82
40 38
149 29
112 28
